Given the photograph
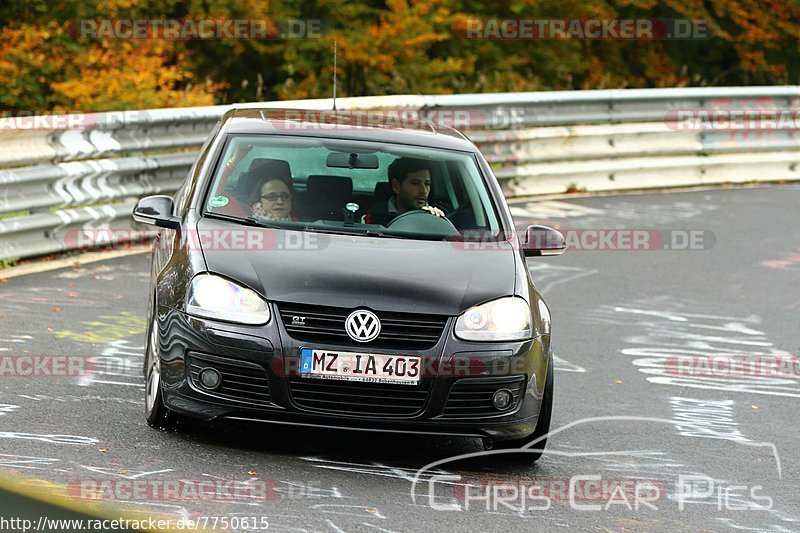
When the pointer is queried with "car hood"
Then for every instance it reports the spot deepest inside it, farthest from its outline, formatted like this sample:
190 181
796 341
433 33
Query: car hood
351 271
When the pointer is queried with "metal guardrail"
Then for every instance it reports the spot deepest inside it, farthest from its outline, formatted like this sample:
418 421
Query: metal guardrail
60 175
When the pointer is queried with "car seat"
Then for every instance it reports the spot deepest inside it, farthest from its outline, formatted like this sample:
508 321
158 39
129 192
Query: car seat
326 196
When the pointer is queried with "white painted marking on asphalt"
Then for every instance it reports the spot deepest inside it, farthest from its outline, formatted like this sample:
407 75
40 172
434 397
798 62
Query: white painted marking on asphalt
667 335
374 469
529 447
6 408
274 526
771 528
552 209
678 316
711 419
27 462
315 491
346 510
546 276
566 366
378 528
107 382
333 526
82 398
118 359
129 474
178 509
661 213
52 439
722 495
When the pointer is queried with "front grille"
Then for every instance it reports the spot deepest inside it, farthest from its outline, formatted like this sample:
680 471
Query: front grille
242 381
399 331
472 397
357 398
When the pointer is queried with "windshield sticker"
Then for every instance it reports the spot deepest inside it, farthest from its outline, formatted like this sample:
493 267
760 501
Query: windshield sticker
218 201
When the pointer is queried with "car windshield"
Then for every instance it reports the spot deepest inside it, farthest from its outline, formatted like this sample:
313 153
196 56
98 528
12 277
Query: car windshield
354 187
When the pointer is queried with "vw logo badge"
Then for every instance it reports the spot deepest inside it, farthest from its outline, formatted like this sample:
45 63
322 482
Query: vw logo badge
362 325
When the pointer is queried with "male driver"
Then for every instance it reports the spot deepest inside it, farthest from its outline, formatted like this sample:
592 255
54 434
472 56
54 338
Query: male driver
410 180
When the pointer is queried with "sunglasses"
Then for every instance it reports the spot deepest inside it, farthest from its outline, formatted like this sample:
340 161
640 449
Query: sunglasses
273 196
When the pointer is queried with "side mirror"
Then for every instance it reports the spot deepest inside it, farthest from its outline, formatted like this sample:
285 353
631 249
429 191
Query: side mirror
542 240
156 211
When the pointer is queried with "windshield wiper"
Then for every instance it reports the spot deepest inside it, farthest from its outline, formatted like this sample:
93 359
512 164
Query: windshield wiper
313 229
261 223
365 233
250 221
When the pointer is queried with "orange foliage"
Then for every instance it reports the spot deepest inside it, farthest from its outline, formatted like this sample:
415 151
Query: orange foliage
43 68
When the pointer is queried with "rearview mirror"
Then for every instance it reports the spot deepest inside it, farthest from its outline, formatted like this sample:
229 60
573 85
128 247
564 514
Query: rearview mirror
543 240
352 160
156 211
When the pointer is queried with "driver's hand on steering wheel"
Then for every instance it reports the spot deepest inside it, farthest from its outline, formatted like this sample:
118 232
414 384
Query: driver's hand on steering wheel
433 210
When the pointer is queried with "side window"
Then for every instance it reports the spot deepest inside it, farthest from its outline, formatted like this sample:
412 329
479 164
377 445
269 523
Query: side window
442 193
450 190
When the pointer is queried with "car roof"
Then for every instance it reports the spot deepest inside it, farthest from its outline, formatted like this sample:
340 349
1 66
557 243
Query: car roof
381 126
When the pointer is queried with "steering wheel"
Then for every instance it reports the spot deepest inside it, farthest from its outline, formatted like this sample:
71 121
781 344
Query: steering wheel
421 221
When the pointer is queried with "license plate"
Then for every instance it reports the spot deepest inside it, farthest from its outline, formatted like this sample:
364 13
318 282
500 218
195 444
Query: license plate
371 368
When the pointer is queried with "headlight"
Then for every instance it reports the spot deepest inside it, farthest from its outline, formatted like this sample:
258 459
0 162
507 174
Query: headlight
506 319
215 297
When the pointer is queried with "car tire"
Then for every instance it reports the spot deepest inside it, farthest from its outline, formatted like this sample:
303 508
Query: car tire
542 428
156 413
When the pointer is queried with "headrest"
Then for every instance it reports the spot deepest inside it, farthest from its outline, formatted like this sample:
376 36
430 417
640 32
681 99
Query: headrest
383 190
330 186
260 168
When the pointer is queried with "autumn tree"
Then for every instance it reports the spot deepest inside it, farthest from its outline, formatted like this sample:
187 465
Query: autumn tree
385 47
46 66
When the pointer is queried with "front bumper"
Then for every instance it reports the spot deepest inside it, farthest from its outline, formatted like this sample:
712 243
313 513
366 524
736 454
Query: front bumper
261 382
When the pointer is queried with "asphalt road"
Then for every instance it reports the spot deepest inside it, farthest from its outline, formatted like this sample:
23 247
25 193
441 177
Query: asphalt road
641 441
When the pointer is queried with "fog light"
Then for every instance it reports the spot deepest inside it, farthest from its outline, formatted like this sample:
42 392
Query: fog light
210 378
502 399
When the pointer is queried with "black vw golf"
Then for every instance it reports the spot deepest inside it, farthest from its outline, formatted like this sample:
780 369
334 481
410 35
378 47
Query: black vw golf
315 270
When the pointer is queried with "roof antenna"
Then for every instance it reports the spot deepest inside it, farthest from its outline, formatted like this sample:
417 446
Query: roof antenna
334 75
